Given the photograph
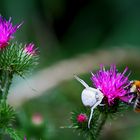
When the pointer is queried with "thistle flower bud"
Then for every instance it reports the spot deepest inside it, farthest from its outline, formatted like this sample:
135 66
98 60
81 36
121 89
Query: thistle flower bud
30 49
82 118
37 119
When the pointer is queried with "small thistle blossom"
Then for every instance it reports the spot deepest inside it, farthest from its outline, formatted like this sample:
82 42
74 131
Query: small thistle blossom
82 118
30 49
6 31
37 119
112 84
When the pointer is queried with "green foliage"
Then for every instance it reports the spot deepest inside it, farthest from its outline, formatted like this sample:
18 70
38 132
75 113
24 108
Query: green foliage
116 109
13 134
7 115
7 118
14 59
5 80
97 122
100 115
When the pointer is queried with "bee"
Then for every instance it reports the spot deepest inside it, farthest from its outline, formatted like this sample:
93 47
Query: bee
135 88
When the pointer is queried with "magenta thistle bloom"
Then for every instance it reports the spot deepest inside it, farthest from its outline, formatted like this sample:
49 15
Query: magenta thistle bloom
25 138
112 84
6 31
82 118
30 49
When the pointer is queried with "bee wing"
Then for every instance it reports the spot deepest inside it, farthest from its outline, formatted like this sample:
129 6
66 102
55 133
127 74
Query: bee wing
132 81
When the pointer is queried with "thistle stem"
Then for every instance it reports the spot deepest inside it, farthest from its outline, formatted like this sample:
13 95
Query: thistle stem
100 123
7 84
102 120
2 82
91 136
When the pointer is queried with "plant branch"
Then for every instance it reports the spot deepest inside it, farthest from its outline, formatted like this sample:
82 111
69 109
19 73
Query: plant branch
94 134
7 83
101 122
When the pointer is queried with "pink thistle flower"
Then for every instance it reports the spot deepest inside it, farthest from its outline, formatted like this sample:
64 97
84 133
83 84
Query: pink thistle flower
82 118
6 31
112 84
25 138
37 119
30 49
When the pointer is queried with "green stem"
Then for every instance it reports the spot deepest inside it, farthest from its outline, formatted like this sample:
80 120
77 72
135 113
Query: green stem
94 134
101 121
7 84
91 136
2 81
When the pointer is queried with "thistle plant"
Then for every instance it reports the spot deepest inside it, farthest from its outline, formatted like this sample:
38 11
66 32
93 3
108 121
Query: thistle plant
15 60
108 98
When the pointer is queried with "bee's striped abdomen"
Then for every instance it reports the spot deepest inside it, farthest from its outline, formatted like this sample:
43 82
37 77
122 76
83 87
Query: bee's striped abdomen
137 105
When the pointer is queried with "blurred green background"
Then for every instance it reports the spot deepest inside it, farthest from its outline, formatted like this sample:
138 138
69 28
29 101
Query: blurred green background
63 30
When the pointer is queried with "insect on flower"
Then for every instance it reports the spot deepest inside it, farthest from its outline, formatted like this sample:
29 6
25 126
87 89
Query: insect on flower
135 91
90 97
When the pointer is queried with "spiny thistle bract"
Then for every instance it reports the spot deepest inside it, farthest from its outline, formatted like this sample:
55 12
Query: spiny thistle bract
7 115
115 88
14 59
17 60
